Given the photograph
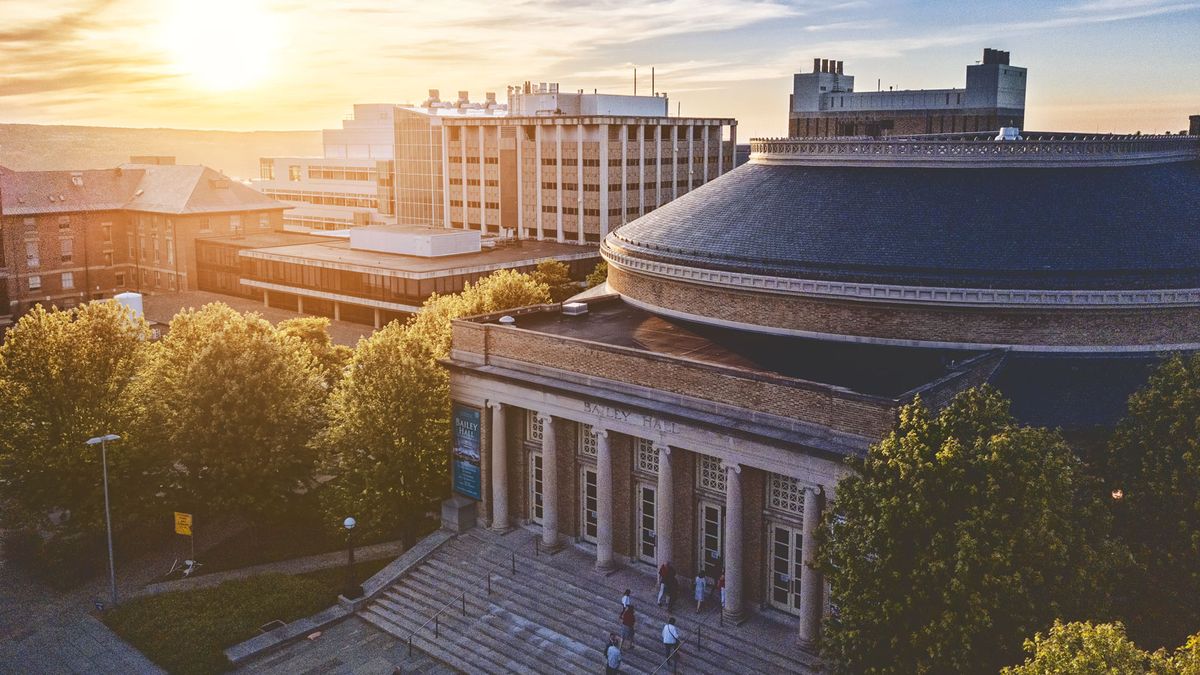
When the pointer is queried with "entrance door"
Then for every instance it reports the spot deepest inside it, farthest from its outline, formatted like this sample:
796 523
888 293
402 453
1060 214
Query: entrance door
536 508
647 536
786 562
711 539
587 499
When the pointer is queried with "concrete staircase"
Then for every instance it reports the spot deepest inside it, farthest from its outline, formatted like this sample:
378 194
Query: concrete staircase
555 613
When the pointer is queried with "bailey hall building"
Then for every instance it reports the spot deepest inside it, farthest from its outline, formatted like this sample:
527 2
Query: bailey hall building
759 330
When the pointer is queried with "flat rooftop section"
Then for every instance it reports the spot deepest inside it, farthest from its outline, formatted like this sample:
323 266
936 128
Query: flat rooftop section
267 239
339 254
162 308
865 369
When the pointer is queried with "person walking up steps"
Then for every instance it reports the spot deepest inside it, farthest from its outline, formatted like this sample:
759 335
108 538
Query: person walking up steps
664 571
698 582
628 623
670 636
627 599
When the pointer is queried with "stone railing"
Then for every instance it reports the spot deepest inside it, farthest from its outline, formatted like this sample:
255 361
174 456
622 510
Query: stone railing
1038 150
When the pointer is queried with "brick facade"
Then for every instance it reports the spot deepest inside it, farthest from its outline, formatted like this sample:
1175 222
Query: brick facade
894 322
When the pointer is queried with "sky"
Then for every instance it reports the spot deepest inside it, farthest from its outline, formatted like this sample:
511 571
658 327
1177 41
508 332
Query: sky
1094 65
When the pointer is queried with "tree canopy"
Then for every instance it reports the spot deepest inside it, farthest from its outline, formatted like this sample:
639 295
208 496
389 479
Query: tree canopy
1154 461
957 536
1081 648
387 443
598 275
557 277
231 407
63 380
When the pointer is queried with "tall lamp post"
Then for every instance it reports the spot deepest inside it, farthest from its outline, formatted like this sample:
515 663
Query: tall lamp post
102 441
353 590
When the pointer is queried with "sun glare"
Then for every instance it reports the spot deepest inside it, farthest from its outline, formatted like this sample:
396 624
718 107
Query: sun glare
221 45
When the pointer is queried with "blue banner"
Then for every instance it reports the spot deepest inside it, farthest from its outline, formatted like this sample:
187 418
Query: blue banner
465 462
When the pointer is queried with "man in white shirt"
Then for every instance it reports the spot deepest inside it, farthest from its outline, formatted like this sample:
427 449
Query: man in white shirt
670 636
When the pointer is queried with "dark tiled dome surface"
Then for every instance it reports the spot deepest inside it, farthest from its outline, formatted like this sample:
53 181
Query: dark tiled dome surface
1130 227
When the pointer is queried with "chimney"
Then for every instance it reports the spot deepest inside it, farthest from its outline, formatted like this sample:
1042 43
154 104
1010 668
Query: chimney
816 65
1194 128
824 65
434 96
839 67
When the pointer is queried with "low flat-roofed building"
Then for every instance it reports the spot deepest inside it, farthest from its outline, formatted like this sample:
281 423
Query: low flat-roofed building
368 274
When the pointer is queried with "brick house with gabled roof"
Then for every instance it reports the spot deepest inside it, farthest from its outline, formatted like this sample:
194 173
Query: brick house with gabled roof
71 236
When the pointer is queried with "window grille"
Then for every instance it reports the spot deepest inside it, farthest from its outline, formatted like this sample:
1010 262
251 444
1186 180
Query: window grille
533 427
786 494
587 440
711 474
647 456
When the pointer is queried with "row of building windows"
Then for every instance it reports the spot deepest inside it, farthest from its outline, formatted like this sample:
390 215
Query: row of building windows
473 159
359 173
489 182
784 493
323 198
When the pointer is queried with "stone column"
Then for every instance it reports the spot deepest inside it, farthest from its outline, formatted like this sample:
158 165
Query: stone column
549 483
499 468
812 584
604 503
664 503
734 605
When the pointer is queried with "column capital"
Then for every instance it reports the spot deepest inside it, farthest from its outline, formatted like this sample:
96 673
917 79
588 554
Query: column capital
732 467
600 432
545 418
662 448
495 405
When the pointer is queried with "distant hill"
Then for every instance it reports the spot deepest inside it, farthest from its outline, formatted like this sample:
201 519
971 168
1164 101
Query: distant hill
29 147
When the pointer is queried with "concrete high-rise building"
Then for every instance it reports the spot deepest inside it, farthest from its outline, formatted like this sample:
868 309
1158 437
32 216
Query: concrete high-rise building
825 103
547 164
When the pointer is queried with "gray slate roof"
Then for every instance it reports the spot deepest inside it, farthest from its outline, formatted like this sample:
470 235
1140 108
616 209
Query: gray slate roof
1125 227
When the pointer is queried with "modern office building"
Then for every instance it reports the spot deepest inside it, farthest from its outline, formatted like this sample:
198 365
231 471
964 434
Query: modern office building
825 103
546 164
368 275
769 325
71 236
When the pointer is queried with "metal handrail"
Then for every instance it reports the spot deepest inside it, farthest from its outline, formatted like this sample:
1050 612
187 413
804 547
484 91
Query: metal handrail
462 598
699 645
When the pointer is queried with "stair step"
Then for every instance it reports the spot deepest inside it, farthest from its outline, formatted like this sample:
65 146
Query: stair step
738 651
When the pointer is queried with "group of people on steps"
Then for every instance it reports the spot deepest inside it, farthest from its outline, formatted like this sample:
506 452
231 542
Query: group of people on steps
670 633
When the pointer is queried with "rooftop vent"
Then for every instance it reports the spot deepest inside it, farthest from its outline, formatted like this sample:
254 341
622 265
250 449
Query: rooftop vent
507 320
77 179
574 308
1008 134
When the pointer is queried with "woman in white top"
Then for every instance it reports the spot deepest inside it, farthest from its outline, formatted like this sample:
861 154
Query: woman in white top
699 590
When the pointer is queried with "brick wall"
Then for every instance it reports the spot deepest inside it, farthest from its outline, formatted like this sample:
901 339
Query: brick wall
754 566
778 396
967 325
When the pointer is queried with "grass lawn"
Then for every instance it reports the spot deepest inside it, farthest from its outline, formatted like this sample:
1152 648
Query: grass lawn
187 631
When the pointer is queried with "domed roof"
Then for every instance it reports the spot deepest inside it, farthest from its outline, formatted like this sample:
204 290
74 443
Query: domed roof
1091 227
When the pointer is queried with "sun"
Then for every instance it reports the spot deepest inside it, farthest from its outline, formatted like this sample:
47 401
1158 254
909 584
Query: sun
221 45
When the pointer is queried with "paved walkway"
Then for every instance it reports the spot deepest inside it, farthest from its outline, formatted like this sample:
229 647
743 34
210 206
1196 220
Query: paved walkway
350 647
311 563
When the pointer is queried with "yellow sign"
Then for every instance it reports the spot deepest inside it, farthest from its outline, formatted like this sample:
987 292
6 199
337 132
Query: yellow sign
183 523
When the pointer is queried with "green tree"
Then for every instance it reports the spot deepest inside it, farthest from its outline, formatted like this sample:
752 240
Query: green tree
1081 648
388 440
1154 460
957 536
313 332
598 275
63 380
231 405
557 277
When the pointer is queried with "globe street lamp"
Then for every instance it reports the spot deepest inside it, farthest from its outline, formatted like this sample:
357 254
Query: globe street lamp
353 590
103 442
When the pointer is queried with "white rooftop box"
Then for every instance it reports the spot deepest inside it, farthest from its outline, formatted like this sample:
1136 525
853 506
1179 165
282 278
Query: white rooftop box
416 240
